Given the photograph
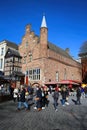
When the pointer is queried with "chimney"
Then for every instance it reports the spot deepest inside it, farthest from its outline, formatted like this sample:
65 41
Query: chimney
28 28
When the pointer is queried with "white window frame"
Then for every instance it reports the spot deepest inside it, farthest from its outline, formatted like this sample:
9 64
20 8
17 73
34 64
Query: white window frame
34 74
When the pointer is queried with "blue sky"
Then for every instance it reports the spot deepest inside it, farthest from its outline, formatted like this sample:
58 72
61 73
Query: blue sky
66 21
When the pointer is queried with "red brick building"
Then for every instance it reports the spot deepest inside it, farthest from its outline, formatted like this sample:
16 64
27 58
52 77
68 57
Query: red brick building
43 61
84 67
83 56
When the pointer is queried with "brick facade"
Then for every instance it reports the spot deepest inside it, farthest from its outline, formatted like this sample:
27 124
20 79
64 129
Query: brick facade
84 68
54 65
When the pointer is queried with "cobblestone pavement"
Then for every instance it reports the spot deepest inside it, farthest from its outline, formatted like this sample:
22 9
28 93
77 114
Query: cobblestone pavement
72 117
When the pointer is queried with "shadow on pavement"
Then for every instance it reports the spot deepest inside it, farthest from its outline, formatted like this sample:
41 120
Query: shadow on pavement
75 102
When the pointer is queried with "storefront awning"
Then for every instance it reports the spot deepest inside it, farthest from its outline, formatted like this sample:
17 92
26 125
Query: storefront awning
66 82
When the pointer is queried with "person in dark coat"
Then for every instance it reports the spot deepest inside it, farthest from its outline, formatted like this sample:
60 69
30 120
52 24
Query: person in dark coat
64 94
11 89
67 96
21 99
44 98
56 97
85 91
39 99
78 94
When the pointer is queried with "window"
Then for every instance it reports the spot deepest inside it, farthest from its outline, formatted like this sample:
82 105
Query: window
1 63
72 77
2 51
24 61
16 59
27 72
30 56
30 74
6 61
26 44
34 74
65 74
18 69
57 76
19 60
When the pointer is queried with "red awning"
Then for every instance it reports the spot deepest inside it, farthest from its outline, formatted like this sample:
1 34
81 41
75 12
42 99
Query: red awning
72 82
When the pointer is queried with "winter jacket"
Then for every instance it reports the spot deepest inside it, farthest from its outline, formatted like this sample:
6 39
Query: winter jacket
56 95
78 92
64 94
21 96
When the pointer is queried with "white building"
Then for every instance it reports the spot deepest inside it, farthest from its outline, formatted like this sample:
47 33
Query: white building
4 45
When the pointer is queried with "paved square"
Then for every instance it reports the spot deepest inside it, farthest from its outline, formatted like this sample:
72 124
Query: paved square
72 117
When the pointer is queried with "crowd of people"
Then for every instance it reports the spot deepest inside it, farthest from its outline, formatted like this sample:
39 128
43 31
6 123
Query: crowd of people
39 96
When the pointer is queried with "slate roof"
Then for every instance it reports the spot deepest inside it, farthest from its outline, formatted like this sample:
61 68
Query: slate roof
11 52
58 50
11 44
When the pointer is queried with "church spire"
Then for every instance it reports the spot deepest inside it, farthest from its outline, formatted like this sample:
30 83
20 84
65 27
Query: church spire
43 24
43 38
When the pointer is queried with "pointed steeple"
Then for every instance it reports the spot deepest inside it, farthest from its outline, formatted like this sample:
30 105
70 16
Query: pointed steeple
43 24
43 38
